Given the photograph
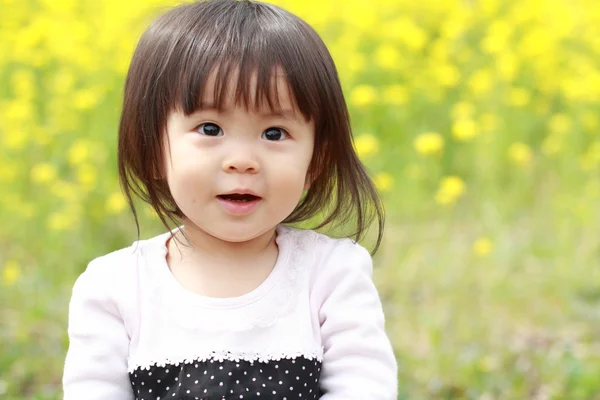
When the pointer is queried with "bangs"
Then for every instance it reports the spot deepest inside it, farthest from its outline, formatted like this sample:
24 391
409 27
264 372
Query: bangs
249 50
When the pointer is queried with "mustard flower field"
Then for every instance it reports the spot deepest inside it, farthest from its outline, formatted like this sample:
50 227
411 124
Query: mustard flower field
479 121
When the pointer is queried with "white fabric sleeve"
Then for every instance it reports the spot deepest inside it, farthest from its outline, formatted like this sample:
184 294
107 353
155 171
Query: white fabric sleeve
358 359
96 362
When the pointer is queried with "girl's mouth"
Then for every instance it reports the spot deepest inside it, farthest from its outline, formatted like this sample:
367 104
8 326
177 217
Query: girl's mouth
239 204
243 198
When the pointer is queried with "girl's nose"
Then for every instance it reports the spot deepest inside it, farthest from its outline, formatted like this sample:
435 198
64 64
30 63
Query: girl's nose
241 162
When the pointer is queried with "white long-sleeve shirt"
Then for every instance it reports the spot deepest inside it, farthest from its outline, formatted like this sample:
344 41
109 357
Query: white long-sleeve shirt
313 329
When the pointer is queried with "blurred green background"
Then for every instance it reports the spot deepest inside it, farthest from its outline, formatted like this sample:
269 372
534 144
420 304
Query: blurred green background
478 119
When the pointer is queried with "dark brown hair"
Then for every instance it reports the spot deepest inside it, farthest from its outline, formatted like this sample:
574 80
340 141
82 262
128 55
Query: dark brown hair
169 71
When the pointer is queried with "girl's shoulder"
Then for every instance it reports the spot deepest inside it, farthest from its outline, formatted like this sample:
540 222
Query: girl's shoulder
127 258
312 239
115 271
115 263
324 252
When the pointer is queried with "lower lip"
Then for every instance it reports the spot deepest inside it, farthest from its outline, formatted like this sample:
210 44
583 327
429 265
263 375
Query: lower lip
239 207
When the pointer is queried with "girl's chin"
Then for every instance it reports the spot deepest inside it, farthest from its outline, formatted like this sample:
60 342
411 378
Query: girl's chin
235 233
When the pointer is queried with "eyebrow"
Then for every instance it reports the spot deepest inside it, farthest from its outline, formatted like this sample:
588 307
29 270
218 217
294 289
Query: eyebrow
287 113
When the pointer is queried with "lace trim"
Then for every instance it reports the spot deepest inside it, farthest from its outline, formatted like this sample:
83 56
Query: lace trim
220 356
264 312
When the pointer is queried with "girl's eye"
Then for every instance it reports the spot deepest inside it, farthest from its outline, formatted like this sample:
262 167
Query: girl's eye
274 134
210 129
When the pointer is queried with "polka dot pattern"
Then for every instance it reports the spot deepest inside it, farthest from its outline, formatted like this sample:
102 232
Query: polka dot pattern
284 379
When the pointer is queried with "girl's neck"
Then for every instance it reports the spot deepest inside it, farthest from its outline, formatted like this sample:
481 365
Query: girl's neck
201 244
217 268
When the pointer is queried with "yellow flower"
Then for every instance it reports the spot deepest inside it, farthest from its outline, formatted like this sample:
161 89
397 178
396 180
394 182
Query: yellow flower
363 95
43 173
387 56
560 123
8 172
364 19
366 145
454 25
519 97
23 84
482 246
14 139
519 153
462 110
11 272
17 111
451 188
61 221
384 181
481 82
507 65
429 143
464 129
413 36
535 42
63 82
115 203
355 62
86 175
85 99
79 152
64 6
395 95
447 74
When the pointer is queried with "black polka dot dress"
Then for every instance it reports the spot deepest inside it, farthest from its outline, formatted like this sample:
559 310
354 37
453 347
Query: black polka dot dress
296 378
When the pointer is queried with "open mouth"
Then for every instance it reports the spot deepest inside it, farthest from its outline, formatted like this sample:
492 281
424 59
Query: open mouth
241 198
239 204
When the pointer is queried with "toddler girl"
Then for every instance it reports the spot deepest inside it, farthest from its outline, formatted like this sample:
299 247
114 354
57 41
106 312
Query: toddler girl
233 127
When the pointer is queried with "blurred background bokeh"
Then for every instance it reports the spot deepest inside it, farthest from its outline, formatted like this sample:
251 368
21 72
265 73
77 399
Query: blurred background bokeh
479 120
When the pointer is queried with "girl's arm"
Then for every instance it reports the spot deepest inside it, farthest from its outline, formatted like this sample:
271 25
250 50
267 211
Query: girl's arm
96 362
358 360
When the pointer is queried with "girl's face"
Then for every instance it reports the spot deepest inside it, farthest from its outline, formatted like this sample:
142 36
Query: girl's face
236 174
